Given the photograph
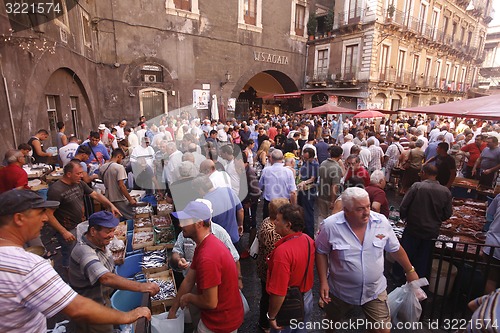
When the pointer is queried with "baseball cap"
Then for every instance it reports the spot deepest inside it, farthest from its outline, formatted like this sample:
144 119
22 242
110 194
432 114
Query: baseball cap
17 201
194 210
104 219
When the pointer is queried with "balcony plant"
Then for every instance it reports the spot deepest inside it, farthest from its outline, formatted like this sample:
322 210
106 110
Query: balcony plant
391 9
329 23
312 25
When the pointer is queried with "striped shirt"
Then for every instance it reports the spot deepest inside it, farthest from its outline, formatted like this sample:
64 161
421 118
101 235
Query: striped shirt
30 291
486 319
87 264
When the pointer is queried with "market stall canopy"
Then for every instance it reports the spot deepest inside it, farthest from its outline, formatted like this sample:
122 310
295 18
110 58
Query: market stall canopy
487 107
327 109
370 114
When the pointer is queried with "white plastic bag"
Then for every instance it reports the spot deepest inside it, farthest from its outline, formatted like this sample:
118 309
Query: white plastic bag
254 248
160 323
246 307
404 301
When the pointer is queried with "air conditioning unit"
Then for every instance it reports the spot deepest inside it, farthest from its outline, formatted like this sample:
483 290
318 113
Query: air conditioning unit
150 78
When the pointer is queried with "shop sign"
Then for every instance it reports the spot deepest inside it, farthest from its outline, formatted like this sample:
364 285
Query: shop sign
269 57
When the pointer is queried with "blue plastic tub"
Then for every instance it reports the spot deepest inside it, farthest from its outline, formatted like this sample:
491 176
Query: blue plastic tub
131 266
124 300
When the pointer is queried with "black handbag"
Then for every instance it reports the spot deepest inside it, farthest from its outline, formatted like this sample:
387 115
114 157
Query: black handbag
293 305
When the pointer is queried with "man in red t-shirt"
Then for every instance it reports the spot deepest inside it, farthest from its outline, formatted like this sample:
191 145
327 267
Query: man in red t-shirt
378 199
291 264
356 173
473 151
13 175
218 298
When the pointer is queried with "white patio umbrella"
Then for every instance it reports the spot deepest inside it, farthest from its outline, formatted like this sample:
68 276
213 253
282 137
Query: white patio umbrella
215 108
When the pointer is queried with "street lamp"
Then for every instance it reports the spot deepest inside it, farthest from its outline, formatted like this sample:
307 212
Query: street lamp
228 77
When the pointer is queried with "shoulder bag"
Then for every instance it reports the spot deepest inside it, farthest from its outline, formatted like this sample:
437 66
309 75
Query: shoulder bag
293 305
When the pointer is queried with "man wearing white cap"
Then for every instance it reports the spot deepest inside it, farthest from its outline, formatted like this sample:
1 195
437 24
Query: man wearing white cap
214 272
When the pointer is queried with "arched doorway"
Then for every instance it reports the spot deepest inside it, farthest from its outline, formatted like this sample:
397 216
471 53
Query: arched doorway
433 101
153 102
379 101
257 95
66 100
396 102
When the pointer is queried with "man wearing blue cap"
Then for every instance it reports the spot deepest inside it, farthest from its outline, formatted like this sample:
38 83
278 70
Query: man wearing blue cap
30 289
217 298
92 266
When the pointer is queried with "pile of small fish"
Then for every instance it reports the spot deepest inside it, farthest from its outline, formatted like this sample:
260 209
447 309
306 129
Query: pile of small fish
167 290
143 209
165 208
154 259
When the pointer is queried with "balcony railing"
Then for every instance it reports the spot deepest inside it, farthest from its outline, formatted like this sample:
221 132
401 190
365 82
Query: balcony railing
320 75
345 73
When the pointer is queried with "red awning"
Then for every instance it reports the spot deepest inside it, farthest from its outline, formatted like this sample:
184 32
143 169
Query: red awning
327 109
487 107
297 94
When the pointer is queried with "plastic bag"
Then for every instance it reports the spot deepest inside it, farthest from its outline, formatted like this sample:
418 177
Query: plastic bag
246 307
160 323
254 248
404 301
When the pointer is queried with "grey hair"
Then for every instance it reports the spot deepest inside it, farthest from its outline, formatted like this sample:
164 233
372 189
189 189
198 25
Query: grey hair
289 160
440 137
12 155
352 193
370 141
377 177
419 143
172 145
187 169
419 132
277 155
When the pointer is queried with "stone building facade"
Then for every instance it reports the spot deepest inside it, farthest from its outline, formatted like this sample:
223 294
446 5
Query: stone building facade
391 54
101 60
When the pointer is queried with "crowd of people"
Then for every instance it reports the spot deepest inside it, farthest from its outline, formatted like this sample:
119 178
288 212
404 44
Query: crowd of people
321 183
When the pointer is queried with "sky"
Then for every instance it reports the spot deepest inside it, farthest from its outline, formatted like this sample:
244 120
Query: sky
496 14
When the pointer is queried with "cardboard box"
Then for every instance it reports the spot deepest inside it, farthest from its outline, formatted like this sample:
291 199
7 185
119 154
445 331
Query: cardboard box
165 275
136 245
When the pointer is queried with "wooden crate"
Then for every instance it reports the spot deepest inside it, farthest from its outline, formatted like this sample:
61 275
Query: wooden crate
164 274
137 246
121 231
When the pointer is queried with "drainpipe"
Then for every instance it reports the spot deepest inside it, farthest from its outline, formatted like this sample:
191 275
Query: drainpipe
9 106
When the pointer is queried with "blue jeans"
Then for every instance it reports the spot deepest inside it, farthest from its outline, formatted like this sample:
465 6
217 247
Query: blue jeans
308 306
66 247
306 199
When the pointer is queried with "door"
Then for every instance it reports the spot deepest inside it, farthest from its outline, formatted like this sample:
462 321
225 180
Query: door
153 103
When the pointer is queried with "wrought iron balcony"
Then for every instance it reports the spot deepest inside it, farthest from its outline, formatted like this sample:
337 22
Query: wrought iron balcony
352 16
345 73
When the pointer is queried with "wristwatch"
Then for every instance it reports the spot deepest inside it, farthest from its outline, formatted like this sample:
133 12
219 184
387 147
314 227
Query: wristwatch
269 318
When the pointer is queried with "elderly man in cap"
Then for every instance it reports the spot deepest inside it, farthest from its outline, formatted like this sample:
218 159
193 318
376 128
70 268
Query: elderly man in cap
214 272
92 266
30 289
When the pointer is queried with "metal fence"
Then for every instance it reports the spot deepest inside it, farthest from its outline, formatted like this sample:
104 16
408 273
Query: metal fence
459 274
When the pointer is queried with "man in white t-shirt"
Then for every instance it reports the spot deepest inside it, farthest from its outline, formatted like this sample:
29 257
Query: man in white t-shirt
67 153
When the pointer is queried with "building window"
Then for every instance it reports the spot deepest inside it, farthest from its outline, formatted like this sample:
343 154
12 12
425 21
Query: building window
463 77
350 62
414 67
438 74
384 60
434 22
52 102
354 11
183 4
422 17
447 74
250 7
60 13
73 100
184 8
321 67
250 15
427 70
87 39
401 63
300 16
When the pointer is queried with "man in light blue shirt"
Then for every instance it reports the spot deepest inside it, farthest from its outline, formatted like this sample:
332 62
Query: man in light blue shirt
350 260
277 181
